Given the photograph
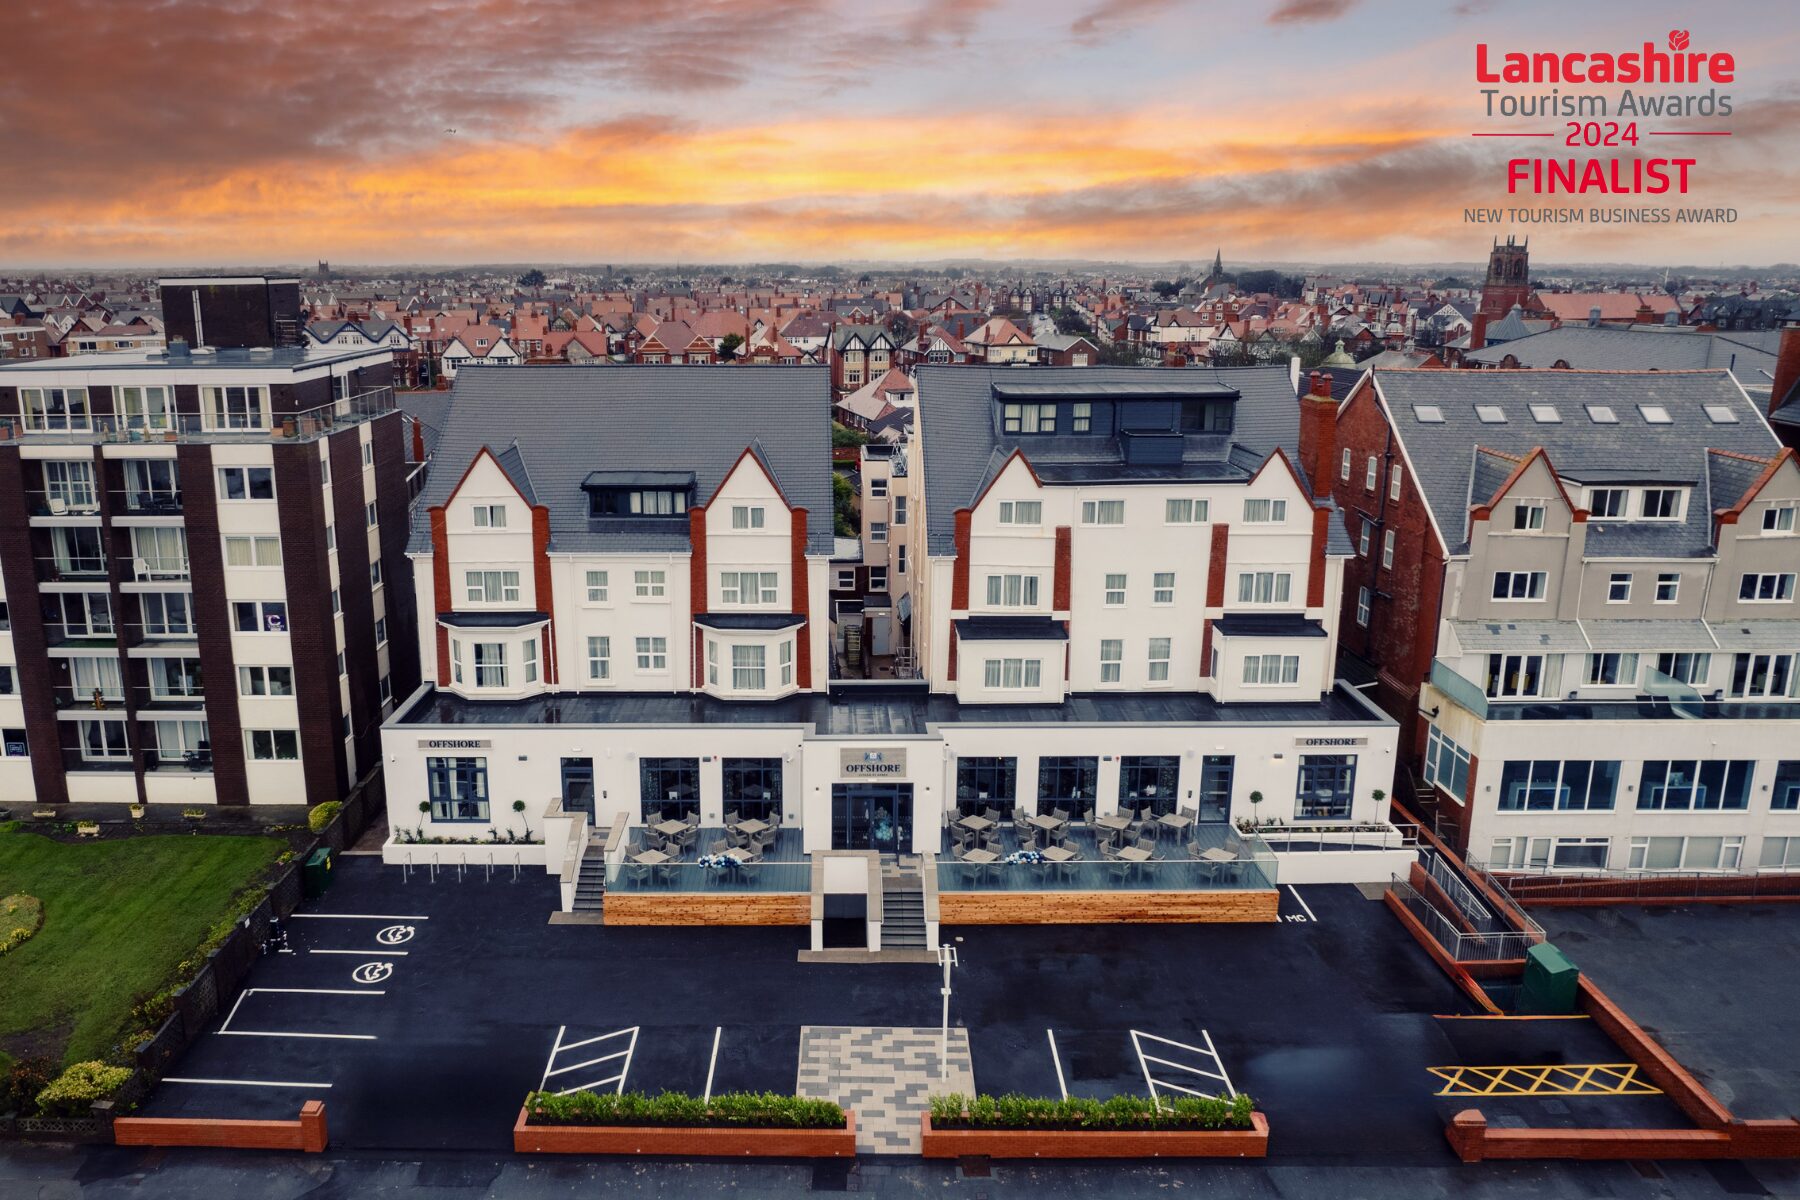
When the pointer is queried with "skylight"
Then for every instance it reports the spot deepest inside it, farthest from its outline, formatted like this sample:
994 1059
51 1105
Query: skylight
1601 414
1490 414
1722 414
1546 414
1655 414
1428 414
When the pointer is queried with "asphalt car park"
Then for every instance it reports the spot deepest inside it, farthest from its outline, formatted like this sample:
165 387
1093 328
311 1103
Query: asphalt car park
422 1013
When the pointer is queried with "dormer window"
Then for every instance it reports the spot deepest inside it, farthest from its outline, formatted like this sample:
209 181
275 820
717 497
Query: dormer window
1028 418
1607 502
1660 504
638 493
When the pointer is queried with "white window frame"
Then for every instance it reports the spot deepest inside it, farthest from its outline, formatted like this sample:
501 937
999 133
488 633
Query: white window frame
505 587
1362 607
1781 583
1021 512
1012 674
595 585
1371 474
1265 587
1535 582
1778 520
1528 516
244 477
747 516
1012 591
749 667
599 659
1344 466
1162 588
1265 511
878 531
1671 582
1624 666
489 516
1186 511
1112 660
1678 504
1157 654
261 550
1387 550
1103 512
1271 670
266 745
1396 480
649 584
1618 586
653 655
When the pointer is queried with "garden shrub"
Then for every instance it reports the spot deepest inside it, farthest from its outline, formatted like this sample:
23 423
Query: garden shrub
322 815
21 916
26 1078
1013 1111
74 1092
738 1110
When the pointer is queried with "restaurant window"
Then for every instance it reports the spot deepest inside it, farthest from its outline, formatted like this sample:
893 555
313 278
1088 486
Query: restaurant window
1068 783
985 783
1326 786
1685 854
458 788
752 787
1762 675
1149 780
669 787
1786 788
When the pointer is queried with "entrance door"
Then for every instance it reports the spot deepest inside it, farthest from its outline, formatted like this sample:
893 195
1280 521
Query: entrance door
881 633
1215 787
578 786
872 816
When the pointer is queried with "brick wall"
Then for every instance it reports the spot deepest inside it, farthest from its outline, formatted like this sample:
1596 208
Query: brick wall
307 1134
29 639
310 634
212 620
348 501
802 598
393 505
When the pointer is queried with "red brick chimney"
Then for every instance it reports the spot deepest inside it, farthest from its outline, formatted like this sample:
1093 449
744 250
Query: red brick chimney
1478 331
1318 432
1787 367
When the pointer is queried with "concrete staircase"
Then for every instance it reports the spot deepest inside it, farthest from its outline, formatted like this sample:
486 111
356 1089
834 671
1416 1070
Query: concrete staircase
590 885
902 908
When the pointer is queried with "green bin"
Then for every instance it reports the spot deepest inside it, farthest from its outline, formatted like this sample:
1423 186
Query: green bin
315 873
1550 982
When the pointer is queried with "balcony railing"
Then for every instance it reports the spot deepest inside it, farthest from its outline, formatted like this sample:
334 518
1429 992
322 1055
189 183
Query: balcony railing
145 570
75 760
110 699
1459 690
665 878
62 503
311 424
133 502
71 568
1107 875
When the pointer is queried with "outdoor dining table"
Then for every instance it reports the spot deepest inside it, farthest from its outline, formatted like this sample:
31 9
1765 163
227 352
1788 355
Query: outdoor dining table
753 826
981 857
1134 854
1213 854
1174 822
1059 854
1046 822
1117 822
650 858
978 823
736 854
670 828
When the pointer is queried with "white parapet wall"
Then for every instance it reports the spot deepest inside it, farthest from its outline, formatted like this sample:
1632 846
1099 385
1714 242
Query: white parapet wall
1342 866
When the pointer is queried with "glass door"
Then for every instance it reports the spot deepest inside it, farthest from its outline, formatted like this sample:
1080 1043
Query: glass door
872 816
1215 787
578 787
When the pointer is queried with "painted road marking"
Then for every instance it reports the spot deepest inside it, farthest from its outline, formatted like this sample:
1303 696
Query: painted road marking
1562 1079
617 1081
355 917
1303 904
225 1030
275 1083
394 935
713 1062
372 972
1056 1058
388 953
1208 1051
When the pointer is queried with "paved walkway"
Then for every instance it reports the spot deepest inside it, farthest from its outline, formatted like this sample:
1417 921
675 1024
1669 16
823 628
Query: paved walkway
886 1076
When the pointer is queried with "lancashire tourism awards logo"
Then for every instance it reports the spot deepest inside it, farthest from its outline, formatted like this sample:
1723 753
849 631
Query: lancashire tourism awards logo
1613 116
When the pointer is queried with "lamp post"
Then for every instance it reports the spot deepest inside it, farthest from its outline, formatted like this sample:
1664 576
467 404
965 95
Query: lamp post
947 958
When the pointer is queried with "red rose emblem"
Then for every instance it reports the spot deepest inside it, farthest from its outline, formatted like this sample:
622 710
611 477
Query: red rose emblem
1678 39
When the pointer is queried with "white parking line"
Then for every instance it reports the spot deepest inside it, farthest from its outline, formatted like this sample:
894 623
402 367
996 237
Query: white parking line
1303 904
1207 1051
1061 1085
559 1048
713 1062
316 991
340 1037
385 953
275 1083
589 1062
553 1049
353 917
225 1030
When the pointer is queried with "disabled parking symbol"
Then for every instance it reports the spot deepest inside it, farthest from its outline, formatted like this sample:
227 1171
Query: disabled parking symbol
372 972
394 935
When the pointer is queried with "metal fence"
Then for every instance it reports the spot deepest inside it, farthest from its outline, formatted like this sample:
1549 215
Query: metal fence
1461 946
1623 887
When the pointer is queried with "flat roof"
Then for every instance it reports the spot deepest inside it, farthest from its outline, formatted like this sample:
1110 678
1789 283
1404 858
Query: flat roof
292 358
895 712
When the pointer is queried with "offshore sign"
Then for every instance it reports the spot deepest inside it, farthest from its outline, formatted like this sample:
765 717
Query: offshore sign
877 764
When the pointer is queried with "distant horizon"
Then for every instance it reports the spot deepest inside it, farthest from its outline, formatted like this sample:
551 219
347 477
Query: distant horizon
593 131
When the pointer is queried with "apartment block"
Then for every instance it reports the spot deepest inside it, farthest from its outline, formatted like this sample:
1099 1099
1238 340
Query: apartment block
206 598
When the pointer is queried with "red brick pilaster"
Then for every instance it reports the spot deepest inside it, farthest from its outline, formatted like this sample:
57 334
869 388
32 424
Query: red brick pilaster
1206 648
546 600
1215 569
951 673
1315 565
1065 562
696 591
959 572
440 590
802 602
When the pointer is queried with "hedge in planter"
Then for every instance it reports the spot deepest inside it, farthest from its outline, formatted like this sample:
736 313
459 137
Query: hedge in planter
74 1091
728 1110
1116 1114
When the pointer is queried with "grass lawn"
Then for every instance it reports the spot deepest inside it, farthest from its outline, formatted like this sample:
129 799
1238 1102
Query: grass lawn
119 914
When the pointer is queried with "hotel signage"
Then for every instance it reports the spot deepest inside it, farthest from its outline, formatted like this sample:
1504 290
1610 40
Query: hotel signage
1331 741
454 743
872 764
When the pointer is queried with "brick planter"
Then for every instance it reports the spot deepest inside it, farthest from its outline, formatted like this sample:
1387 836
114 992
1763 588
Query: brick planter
1080 1143
307 1134
667 1142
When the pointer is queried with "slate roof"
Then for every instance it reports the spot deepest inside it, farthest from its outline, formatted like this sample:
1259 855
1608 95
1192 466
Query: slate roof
963 447
551 426
1611 348
1450 473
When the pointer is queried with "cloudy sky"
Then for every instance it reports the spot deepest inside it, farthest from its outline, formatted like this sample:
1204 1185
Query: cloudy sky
212 132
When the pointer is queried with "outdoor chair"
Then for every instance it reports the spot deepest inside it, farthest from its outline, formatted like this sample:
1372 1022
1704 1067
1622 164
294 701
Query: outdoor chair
732 818
1120 870
1107 849
739 839
765 841
1192 814
1061 814
718 847
1145 843
689 838
774 818
992 814
692 820
961 851
752 852
1194 849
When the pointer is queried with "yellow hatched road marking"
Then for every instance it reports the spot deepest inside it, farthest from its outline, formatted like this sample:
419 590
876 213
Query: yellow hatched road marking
1568 1079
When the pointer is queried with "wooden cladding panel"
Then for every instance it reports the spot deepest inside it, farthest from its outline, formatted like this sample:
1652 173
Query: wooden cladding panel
1103 908
677 908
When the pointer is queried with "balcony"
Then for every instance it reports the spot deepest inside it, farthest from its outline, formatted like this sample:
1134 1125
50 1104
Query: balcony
136 502
62 502
1663 699
310 425
163 568
110 699
72 568
1239 862
73 760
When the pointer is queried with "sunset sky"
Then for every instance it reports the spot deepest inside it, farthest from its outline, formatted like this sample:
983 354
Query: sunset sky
222 132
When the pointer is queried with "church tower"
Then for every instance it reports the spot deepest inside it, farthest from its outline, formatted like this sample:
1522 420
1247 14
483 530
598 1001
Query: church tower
1508 278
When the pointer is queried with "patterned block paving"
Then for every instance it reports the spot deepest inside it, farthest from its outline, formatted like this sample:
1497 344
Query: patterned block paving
887 1076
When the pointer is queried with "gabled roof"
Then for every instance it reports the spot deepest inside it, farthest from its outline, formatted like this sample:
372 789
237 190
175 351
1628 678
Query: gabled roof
1451 477
570 421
